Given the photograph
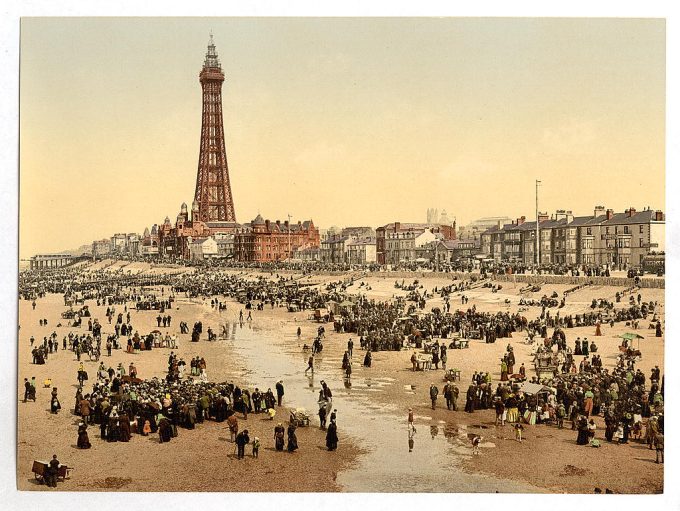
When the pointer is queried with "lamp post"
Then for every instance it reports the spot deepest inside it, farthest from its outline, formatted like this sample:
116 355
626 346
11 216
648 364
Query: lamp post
538 230
290 255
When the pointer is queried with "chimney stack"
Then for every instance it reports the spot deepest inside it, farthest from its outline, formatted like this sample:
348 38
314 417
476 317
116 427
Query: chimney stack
610 214
599 210
659 216
631 211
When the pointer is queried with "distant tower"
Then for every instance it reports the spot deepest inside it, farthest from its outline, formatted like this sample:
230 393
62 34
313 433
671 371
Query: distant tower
213 190
194 211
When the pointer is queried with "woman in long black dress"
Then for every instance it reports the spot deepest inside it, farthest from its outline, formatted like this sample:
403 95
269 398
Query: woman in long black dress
113 435
164 430
332 436
582 438
55 406
292 439
83 439
279 436
124 428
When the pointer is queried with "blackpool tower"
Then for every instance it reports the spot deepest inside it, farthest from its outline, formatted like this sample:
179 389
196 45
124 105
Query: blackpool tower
213 191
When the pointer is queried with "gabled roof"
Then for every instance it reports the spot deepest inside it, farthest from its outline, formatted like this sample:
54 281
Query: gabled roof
449 244
640 217
580 220
552 223
527 226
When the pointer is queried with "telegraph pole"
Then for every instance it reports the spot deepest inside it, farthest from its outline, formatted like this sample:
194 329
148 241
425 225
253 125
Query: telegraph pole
538 230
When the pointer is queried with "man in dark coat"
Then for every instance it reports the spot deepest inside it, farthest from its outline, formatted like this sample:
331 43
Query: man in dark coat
470 399
447 395
52 472
434 392
242 439
279 391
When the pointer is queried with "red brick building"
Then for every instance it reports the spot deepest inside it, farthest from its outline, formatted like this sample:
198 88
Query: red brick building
262 240
174 240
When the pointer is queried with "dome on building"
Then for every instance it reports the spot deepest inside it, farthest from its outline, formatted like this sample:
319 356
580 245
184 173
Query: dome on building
183 208
258 219
194 205
146 232
154 229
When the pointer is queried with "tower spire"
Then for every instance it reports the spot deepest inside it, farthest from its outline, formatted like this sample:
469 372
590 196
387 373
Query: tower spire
211 60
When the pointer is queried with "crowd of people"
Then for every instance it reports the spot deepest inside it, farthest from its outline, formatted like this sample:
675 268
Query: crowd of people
122 405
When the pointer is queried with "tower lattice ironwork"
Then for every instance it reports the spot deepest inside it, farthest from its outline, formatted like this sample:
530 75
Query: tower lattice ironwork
213 189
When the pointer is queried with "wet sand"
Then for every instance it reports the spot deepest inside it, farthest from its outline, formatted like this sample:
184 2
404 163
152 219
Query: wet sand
374 452
203 459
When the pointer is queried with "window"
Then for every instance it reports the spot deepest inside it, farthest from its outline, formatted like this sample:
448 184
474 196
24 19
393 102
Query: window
589 231
642 229
625 229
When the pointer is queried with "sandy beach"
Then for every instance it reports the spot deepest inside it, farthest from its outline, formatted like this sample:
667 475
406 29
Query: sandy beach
374 453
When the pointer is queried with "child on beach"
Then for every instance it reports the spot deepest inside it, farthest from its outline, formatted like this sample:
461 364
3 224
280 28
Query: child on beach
256 447
518 432
475 444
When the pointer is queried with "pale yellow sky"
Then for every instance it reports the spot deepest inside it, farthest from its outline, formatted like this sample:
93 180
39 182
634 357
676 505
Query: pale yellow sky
345 121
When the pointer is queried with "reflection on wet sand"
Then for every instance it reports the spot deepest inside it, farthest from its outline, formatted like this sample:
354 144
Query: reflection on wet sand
374 427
